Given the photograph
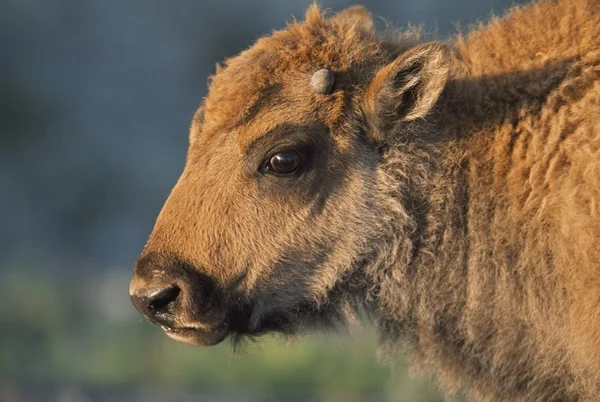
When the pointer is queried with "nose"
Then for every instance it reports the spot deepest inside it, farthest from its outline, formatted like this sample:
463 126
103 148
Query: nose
171 292
157 304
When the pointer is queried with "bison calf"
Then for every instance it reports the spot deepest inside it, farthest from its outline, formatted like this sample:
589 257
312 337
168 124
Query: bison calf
450 189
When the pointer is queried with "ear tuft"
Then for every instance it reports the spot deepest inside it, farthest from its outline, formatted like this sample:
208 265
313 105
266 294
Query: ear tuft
356 15
407 88
197 122
313 15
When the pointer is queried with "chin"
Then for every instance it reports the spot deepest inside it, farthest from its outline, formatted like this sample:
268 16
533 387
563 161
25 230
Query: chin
296 320
197 336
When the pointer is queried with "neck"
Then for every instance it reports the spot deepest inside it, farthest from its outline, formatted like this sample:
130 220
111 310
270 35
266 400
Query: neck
425 189
465 269
455 284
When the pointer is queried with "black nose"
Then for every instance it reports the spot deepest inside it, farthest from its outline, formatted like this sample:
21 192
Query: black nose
157 304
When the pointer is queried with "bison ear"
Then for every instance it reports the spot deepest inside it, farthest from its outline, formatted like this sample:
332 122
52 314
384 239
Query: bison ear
356 15
407 88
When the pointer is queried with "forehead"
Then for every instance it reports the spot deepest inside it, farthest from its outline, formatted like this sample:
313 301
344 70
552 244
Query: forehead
269 84
248 111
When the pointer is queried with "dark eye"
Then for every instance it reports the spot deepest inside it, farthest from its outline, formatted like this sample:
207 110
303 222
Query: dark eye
283 163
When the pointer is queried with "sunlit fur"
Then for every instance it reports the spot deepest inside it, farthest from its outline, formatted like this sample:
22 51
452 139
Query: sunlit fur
468 227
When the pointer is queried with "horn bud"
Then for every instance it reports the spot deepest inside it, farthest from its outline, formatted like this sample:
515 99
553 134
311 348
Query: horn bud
322 81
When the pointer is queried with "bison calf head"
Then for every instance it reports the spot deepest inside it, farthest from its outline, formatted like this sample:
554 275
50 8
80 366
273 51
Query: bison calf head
279 210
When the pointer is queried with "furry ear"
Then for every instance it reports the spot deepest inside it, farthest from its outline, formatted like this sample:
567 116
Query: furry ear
356 15
407 88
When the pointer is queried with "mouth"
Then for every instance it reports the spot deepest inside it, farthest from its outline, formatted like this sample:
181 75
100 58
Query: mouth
239 322
197 336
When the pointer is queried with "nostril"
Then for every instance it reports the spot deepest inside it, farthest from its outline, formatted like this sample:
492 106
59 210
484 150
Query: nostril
160 300
158 305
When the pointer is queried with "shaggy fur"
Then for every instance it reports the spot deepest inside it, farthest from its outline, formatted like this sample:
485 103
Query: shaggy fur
454 193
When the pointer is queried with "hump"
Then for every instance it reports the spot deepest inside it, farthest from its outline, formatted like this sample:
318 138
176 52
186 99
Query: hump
534 36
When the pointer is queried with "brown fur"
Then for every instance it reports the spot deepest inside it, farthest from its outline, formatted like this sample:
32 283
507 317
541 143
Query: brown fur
456 196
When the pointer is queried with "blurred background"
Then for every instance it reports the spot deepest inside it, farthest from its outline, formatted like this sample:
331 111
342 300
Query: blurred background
96 98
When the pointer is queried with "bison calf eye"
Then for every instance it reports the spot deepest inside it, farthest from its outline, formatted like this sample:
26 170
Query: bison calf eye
283 163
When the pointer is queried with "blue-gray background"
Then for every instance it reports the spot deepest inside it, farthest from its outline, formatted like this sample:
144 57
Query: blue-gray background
95 103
